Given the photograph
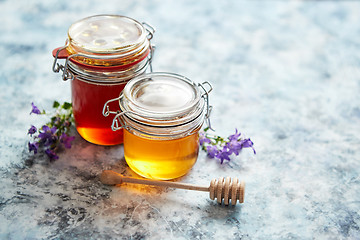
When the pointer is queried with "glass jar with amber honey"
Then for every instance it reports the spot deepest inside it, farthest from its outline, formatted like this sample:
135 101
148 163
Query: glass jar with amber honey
161 114
102 54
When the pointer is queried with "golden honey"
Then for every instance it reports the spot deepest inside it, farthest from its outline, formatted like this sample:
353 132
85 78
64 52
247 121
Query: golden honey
161 114
160 159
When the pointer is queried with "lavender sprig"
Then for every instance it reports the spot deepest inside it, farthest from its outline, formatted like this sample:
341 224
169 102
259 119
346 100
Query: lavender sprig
54 134
220 148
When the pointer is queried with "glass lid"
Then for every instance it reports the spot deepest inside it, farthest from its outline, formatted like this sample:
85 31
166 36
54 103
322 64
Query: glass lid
106 34
161 94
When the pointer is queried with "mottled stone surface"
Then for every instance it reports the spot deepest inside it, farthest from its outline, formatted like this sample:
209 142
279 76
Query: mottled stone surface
287 74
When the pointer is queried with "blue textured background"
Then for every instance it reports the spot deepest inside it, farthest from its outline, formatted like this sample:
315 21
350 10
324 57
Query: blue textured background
287 74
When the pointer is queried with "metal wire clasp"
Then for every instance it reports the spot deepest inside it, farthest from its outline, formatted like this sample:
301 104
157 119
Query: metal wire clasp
56 66
106 109
64 68
206 97
150 29
118 122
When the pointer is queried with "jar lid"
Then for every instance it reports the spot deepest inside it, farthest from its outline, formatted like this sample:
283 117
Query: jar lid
162 99
108 40
106 34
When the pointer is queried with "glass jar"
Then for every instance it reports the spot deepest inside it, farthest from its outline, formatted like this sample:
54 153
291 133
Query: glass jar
102 53
162 114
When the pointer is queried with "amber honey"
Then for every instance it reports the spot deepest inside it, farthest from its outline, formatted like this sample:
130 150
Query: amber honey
88 100
160 159
102 53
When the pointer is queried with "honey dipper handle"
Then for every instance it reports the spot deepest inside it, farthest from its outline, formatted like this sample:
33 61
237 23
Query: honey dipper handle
111 178
165 184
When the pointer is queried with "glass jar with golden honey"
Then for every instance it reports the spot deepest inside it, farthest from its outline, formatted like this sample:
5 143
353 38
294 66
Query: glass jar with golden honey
161 114
102 53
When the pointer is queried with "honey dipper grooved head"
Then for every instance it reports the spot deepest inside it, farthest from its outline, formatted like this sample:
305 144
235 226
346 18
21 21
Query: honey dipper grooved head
225 189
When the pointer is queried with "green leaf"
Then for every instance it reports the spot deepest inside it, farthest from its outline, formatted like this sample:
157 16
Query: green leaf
56 104
66 105
53 119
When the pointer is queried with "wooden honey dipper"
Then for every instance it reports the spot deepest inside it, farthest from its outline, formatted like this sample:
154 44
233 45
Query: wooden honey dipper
222 188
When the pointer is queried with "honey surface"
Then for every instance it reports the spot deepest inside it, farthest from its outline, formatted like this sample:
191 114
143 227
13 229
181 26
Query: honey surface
160 159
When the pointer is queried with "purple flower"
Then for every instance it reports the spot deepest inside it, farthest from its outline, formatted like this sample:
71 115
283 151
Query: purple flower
32 130
212 151
66 140
203 139
223 154
47 135
35 109
235 136
247 143
234 146
51 154
33 147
